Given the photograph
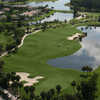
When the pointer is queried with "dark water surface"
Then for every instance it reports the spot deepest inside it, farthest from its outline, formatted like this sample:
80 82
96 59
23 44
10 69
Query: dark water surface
89 54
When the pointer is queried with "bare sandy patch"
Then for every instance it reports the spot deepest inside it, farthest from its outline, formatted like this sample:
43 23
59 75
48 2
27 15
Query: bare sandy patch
77 35
30 81
81 16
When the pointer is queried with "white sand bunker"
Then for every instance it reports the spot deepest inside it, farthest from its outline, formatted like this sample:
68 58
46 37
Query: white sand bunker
75 36
81 16
29 81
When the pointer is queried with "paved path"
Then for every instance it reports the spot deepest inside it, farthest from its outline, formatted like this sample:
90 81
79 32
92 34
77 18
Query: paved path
23 38
21 44
5 53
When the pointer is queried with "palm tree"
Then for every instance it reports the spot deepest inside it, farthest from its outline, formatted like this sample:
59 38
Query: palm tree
87 69
28 30
75 11
48 95
52 92
18 78
99 19
32 94
73 84
58 88
1 49
78 87
43 95
37 98
1 65
70 97
26 89
14 86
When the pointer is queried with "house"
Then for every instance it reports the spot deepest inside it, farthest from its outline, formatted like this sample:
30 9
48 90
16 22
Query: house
6 9
30 13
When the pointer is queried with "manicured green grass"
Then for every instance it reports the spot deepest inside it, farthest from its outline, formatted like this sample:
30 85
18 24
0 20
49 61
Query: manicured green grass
94 14
32 57
4 40
11 3
98 83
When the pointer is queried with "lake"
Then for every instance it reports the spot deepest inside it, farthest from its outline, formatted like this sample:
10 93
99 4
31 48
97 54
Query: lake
89 54
58 5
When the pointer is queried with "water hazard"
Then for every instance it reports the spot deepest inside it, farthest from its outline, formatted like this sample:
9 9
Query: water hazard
89 54
57 5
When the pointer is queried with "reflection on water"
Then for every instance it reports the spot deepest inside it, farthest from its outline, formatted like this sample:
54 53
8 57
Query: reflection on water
58 5
58 16
89 54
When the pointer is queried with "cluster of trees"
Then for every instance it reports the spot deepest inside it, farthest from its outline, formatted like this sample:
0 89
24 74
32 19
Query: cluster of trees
84 89
8 81
87 5
12 27
54 24
13 34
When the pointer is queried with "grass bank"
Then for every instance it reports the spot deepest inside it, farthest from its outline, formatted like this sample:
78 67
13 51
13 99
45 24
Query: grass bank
44 16
64 11
98 82
38 49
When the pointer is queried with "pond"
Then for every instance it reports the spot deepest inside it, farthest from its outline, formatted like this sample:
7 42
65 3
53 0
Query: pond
89 54
58 5
59 16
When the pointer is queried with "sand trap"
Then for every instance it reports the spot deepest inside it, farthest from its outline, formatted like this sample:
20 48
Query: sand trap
30 81
81 16
77 35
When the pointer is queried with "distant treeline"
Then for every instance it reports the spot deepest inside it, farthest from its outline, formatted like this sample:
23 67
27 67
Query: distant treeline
90 5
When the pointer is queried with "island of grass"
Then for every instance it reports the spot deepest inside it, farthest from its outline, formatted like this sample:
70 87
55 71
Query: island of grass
64 11
32 57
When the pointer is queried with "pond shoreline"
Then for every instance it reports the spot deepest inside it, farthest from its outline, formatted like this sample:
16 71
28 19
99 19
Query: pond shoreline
81 57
